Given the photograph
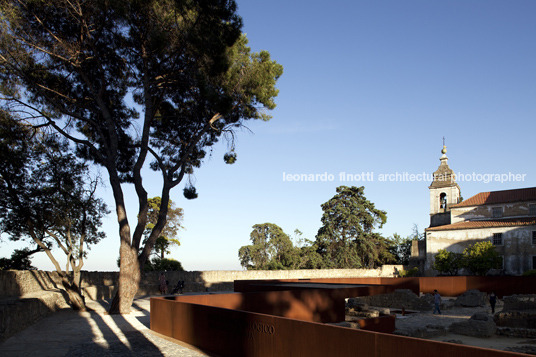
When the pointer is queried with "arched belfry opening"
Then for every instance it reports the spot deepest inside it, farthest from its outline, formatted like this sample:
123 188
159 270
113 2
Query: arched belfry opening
444 192
443 201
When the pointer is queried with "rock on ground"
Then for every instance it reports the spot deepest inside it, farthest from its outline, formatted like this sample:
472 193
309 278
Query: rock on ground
471 298
479 325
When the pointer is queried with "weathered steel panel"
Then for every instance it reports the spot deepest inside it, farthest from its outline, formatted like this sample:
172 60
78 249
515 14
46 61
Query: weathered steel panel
285 322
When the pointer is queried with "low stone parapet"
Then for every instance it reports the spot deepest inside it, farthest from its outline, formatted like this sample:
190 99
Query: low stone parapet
18 313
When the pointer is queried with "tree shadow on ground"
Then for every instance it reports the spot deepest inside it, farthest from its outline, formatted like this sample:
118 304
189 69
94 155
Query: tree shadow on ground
116 335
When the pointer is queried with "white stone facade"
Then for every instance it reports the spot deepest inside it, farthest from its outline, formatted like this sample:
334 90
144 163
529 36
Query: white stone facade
517 248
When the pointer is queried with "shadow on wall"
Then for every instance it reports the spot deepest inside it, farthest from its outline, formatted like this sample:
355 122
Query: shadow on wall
194 281
514 246
27 296
17 314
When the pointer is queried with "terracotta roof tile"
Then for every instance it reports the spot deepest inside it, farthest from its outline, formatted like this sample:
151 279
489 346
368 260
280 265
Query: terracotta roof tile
507 222
494 197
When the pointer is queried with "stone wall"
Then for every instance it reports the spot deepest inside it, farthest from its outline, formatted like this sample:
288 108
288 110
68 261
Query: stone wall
519 312
26 296
400 298
101 285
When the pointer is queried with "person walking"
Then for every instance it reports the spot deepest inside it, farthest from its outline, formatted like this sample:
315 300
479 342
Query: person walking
163 284
492 301
437 302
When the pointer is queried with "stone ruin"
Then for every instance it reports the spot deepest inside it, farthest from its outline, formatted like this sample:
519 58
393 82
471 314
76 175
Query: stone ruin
518 316
471 298
400 298
480 324
518 319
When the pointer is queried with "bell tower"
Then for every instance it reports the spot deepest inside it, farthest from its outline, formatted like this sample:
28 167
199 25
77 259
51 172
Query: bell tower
444 192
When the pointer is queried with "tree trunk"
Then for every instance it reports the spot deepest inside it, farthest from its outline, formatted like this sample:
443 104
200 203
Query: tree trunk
77 278
129 270
129 279
76 300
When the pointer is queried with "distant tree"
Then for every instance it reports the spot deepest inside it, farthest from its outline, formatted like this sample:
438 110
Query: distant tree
416 233
309 256
400 248
448 262
271 249
481 257
170 231
20 260
47 196
346 238
127 81
163 264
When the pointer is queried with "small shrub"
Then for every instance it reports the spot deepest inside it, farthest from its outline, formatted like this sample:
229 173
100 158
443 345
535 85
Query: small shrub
409 273
448 262
481 257
531 272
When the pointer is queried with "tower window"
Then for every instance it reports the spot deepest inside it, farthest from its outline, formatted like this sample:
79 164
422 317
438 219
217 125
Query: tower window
497 212
534 262
497 239
534 237
443 200
532 209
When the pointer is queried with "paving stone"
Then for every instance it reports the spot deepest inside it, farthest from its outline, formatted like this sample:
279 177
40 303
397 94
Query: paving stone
95 333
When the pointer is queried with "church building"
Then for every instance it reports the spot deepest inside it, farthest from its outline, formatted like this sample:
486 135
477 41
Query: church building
505 218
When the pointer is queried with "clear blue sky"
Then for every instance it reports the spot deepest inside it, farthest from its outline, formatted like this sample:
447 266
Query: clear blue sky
369 86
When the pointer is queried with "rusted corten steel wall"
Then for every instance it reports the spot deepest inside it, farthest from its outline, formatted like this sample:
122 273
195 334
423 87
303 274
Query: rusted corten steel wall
446 285
271 285
501 285
227 332
319 305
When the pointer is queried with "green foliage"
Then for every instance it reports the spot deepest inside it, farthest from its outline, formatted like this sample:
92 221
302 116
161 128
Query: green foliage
171 228
448 262
481 257
309 258
400 248
531 272
44 196
20 260
134 84
409 273
163 264
346 238
271 249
